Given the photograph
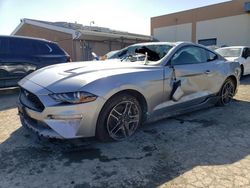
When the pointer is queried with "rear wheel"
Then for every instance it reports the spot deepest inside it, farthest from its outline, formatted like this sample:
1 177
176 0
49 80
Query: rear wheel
227 92
119 118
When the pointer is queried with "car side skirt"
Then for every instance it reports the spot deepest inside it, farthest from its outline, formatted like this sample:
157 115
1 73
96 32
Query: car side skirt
183 108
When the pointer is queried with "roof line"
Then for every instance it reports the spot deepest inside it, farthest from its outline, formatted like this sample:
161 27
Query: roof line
17 28
77 33
47 26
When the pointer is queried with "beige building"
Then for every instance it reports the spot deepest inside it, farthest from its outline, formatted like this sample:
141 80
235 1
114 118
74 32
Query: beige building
78 40
221 24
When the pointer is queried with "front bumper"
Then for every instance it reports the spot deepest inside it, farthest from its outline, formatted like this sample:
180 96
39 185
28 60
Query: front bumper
43 115
37 126
63 121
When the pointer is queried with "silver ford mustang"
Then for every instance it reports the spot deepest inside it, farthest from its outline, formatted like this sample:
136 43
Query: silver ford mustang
111 99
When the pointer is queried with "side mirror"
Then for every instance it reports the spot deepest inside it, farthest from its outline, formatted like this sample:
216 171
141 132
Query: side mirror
212 58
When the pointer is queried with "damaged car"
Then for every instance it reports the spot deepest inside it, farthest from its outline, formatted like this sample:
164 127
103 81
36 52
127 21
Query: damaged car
111 99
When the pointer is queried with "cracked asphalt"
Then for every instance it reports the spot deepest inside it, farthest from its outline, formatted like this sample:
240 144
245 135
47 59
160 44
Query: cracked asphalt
206 148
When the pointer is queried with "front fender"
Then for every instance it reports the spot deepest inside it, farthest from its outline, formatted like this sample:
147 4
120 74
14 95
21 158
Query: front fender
149 84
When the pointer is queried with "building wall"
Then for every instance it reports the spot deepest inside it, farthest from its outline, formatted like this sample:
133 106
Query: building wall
78 49
64 40
216 21
234 30
182 32
84 48
87 47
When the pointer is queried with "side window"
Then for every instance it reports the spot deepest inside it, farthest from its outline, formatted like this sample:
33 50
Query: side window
189 55
246 52
21 46
4 45
211 56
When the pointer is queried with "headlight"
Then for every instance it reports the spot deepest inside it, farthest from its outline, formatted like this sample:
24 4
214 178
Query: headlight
74 97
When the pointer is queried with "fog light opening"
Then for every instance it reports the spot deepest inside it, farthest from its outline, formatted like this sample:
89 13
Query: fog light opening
65 117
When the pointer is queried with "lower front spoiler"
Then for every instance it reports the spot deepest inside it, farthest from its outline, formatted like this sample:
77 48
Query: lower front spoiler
39 128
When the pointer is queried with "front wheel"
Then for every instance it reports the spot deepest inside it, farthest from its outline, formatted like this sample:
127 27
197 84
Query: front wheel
227 92
119 118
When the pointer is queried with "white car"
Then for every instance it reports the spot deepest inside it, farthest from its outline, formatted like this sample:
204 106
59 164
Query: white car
237 53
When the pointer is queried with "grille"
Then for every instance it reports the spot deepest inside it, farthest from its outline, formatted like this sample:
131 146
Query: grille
30 100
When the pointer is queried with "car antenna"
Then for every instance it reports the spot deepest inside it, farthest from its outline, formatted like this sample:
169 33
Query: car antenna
146 58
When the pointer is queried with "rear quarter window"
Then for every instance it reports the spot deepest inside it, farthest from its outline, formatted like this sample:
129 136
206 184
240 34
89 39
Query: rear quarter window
48 48
42 48
56 49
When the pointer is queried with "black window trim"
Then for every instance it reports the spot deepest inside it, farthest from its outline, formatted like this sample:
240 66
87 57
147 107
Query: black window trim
210 51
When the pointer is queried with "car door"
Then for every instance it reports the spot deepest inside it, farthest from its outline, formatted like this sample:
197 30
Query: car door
20 61
4 47
197 70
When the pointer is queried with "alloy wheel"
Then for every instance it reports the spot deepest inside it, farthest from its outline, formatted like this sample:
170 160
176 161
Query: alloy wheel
123 120
227 92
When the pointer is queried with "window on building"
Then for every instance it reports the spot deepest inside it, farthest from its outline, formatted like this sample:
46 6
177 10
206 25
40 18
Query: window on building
208 42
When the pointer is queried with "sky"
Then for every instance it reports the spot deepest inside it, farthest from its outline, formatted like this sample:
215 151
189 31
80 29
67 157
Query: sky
125 15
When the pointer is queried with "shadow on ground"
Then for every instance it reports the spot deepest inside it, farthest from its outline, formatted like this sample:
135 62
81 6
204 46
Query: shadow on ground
155 155
245 80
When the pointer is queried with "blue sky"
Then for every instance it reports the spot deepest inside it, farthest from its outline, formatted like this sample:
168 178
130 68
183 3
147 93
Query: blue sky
127 15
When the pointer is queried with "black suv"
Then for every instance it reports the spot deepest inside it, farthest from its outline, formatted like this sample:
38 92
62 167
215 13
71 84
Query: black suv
20 56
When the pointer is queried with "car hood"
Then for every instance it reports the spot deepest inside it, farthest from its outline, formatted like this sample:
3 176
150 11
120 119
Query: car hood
232 58
71 77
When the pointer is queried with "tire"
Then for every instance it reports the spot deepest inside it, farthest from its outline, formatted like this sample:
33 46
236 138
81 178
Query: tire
227 92
241 71
119 118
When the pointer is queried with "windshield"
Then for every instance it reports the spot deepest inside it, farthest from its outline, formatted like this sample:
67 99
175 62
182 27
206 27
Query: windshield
229 52
138 53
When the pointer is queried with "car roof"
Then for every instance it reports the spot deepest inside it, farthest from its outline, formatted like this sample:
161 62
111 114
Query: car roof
166 43
174 44
24 37
228 47
154 43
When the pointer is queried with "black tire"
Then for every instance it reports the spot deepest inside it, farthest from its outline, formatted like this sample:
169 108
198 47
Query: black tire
241 71
109 119
227 92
